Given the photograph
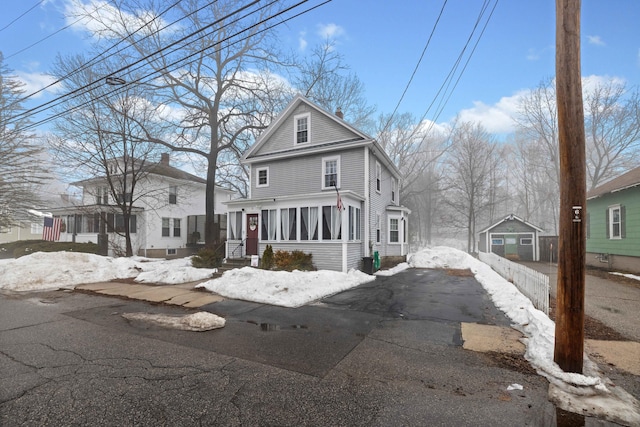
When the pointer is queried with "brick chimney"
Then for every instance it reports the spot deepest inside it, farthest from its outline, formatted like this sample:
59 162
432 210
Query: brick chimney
164 159
339 113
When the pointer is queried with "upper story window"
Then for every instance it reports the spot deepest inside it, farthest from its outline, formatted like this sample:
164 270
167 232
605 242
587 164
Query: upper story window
394 190
262 177
378 177
330 172
102 196
173 195
301 124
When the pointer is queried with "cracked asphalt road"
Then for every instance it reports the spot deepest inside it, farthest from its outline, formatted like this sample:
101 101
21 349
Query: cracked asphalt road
385 353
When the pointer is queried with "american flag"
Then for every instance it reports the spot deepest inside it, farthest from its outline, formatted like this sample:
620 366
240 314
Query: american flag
339 202
51 229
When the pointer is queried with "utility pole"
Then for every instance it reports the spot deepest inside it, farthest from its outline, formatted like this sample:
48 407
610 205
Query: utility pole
569 339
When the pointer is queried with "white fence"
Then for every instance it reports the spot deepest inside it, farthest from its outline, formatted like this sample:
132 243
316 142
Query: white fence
533 284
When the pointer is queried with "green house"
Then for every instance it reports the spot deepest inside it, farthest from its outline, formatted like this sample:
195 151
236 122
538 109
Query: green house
613 224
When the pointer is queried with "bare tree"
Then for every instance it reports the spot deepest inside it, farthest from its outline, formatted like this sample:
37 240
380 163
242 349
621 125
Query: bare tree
21 170
214 69
471 162
99 138
325 79
612 122
416 149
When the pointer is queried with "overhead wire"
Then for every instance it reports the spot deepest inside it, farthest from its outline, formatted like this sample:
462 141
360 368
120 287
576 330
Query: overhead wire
57 101
452 72
95 58
21 15
180 62
415 69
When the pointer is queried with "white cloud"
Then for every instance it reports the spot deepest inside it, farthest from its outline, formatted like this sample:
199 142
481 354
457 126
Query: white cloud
302 40
496 118
533 55
101 17
37 81
596 40
330 31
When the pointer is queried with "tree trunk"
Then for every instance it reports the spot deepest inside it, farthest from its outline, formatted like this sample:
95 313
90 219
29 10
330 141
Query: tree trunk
210 236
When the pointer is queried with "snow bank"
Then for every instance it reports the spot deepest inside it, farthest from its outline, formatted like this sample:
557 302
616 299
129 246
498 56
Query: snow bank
56 270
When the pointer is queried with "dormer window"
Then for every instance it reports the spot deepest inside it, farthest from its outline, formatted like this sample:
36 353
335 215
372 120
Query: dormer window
301 125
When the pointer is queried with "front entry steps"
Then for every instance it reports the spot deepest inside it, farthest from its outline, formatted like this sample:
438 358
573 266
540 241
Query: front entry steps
230 264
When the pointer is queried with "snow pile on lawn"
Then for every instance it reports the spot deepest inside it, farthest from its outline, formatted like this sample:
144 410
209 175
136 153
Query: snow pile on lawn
394 270
627 275
282 288
56 270
590 394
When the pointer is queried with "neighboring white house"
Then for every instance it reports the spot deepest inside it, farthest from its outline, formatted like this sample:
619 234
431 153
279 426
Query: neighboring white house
298 167
168 213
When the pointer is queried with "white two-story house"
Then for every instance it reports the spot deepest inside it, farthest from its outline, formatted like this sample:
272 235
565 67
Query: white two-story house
167 218
320 186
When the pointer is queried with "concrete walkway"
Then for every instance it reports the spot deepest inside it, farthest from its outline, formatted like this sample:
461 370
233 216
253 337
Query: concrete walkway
184 295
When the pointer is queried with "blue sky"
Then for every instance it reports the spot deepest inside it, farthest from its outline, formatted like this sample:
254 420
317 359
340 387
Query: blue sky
382 41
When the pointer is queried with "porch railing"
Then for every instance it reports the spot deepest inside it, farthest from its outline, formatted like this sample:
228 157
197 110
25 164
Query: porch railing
533 284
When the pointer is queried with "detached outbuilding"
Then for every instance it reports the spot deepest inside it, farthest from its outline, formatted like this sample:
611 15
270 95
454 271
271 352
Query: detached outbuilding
512 238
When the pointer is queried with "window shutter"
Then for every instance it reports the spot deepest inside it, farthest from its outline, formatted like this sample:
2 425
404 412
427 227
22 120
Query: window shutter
588 226
606 222
623 228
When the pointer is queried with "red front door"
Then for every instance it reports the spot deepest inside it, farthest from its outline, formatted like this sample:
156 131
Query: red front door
252 234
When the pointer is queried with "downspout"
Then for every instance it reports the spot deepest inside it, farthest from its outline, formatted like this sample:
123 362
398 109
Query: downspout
367 215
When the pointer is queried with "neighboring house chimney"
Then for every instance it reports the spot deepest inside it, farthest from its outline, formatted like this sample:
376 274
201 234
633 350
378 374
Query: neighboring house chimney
164 159
339 113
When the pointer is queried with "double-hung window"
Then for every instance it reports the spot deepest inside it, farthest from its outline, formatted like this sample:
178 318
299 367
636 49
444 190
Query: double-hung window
615 222
262 177
378 231
394 230
235 225
330 172
173 195
169 224
354 223
378 177
301 124
394 190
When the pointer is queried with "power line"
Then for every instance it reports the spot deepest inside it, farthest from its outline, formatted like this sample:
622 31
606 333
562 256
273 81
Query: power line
180 62
415 69
60 99
23 14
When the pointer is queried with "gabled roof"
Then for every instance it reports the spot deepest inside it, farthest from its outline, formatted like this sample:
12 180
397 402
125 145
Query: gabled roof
161 168
264 137
624 181
510 217
360 139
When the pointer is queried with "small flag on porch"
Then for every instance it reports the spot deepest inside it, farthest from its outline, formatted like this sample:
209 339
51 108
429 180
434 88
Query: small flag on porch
51 229
339 202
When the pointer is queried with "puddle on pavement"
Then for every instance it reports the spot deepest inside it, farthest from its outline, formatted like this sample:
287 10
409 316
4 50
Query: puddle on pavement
271 327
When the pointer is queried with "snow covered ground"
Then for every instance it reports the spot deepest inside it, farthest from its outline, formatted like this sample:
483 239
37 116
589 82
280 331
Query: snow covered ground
591 393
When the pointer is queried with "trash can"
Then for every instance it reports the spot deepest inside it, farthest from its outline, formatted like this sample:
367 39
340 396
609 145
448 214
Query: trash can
367 265
376 261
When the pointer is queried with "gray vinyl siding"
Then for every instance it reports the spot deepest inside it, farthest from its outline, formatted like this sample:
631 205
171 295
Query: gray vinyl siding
303 174
379 202
326 255
322 130
354 255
